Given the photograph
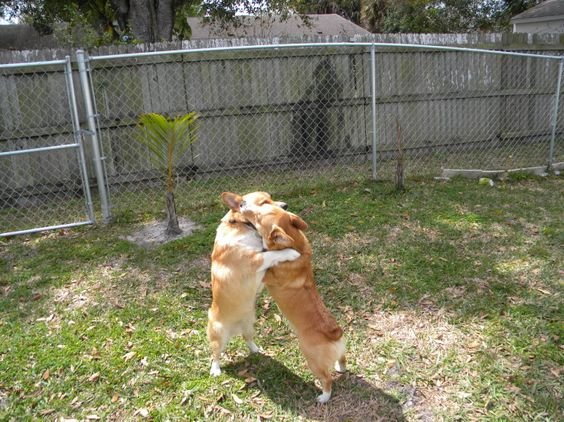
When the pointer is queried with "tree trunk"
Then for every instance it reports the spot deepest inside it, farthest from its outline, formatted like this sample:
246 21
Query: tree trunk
172 227
165 20
139 17
150 20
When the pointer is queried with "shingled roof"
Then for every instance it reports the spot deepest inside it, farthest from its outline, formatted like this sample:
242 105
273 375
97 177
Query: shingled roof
547 10
258 27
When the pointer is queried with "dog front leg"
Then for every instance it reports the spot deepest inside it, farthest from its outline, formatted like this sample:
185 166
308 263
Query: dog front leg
272 258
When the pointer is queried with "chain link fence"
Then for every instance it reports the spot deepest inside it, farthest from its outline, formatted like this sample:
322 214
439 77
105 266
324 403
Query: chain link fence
280 117
268 118
42 172
449 109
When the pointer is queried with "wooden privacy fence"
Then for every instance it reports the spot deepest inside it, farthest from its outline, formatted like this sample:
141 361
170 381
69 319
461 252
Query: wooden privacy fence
259 105
333 107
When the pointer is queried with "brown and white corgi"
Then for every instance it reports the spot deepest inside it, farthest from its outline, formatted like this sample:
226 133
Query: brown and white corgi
238 265
292 286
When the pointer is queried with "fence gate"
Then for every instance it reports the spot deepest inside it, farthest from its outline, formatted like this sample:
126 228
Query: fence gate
43 175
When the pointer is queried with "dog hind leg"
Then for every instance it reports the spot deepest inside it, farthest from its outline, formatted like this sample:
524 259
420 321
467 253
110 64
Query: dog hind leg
341 364
249 333
324 377
320 369
218 338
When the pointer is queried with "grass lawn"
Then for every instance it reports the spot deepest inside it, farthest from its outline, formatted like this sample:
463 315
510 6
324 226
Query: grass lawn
450 295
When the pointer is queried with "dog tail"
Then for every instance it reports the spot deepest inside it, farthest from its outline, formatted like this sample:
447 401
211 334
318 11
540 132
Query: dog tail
334 334
332 331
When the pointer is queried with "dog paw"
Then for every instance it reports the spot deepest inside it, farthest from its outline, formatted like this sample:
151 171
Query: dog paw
324 398
341 369
215 370
253 348
292 254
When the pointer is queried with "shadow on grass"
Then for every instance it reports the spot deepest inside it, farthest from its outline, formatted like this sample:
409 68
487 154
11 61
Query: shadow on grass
354 399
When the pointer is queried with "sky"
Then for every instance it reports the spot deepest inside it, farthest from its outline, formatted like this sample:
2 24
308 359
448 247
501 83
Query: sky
6 22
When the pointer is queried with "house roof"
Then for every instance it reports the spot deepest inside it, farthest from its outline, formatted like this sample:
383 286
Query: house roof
264 27
544 11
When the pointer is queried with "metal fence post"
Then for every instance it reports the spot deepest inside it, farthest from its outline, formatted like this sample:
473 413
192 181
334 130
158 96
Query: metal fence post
78 139
373 111
92 131
555 115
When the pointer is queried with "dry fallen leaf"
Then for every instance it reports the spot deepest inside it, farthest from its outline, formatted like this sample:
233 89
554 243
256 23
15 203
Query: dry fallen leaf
221 409
556 372
115 398
46 412
184 400
94 377
128 356
236 399
143 412
46 319
543 291
46 375
377 331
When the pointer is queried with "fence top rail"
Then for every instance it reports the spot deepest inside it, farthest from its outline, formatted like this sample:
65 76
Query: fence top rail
312 45
32 64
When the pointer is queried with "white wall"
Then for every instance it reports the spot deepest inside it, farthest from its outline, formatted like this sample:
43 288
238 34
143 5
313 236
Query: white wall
554 26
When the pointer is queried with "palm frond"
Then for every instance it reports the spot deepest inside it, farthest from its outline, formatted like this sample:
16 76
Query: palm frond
167 139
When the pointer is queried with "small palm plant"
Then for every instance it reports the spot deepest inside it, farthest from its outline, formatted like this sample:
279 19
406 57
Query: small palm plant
168 139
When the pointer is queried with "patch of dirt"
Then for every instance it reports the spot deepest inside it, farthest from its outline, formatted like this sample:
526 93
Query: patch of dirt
356 399
394 232
153 234
203 262
423 341
72 297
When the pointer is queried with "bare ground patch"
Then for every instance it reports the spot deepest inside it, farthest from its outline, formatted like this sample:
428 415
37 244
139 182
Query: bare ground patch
356 399
154 233
432 364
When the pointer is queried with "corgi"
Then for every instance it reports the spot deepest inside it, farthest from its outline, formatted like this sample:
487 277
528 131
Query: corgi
238 265
292 286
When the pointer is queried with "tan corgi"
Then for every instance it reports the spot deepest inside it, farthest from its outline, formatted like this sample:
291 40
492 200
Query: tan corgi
292 286
238 265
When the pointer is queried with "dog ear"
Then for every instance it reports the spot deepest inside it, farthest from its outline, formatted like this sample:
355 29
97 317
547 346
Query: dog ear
280 237
298 222
232 200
